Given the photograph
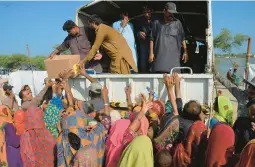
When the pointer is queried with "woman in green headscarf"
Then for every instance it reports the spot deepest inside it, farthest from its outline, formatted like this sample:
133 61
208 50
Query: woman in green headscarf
138 153
223 111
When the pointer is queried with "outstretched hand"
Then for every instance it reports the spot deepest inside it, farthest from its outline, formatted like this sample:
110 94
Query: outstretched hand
169 81
177 78
146 106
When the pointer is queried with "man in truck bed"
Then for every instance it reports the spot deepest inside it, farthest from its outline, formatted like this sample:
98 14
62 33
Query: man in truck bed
78 41
115 46
166 41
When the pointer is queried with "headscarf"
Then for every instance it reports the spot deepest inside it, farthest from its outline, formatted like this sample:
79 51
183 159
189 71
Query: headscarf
182 154
114 146
220 145
247 158
19 122
36 143
5 117
76 122
51 118
144 123
115 115
138 153
225 110
167 135
159 108
86 157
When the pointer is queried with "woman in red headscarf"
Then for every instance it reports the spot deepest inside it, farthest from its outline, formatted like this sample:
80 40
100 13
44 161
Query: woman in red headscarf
220 146
36 143
188 152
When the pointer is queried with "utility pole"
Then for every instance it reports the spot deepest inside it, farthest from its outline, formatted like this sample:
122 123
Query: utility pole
28 51
248 60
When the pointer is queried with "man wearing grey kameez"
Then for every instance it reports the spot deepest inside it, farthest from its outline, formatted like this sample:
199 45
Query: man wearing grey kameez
166 41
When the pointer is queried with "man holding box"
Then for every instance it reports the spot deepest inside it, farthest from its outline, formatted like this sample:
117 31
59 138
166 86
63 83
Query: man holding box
78 41
115 46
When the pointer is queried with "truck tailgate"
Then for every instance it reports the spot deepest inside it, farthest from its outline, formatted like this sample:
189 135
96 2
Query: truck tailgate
193 86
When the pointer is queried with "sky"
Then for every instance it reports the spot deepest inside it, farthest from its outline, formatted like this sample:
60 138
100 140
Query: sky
39 24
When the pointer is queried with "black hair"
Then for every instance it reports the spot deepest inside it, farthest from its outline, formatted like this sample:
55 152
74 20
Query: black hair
95 19
48 95
68 25
21 94
146 9
215 105
26 86
74 140
192 110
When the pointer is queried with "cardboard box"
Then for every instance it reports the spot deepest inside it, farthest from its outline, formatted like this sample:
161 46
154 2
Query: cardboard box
60 63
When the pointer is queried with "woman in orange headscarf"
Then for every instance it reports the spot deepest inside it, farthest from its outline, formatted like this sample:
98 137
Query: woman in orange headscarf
190 148
9 141
247 158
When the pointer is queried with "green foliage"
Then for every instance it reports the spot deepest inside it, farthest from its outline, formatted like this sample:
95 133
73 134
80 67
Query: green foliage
16 60
66 52
231 55
225 41
38 61
239 40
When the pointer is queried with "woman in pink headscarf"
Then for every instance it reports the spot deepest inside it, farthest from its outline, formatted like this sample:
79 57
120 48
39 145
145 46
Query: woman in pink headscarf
123 132
113 145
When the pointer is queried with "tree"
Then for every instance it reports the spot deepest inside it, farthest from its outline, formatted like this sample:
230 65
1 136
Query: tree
66 52
225 40
38 61
15 61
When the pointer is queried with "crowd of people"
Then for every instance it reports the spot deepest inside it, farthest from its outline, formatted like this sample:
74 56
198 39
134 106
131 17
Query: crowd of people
57 128
161 43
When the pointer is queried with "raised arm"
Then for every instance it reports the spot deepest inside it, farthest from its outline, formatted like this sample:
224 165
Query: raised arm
169 83
177 81
64 46
128 96
106 100
232 88
38 99
134 126
86 75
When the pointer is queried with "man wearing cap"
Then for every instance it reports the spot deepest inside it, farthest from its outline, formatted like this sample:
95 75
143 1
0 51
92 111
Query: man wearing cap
9 98
2 82
96 102
166 41
79 41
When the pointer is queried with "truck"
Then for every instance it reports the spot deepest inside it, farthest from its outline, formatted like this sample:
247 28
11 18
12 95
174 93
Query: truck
197 83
